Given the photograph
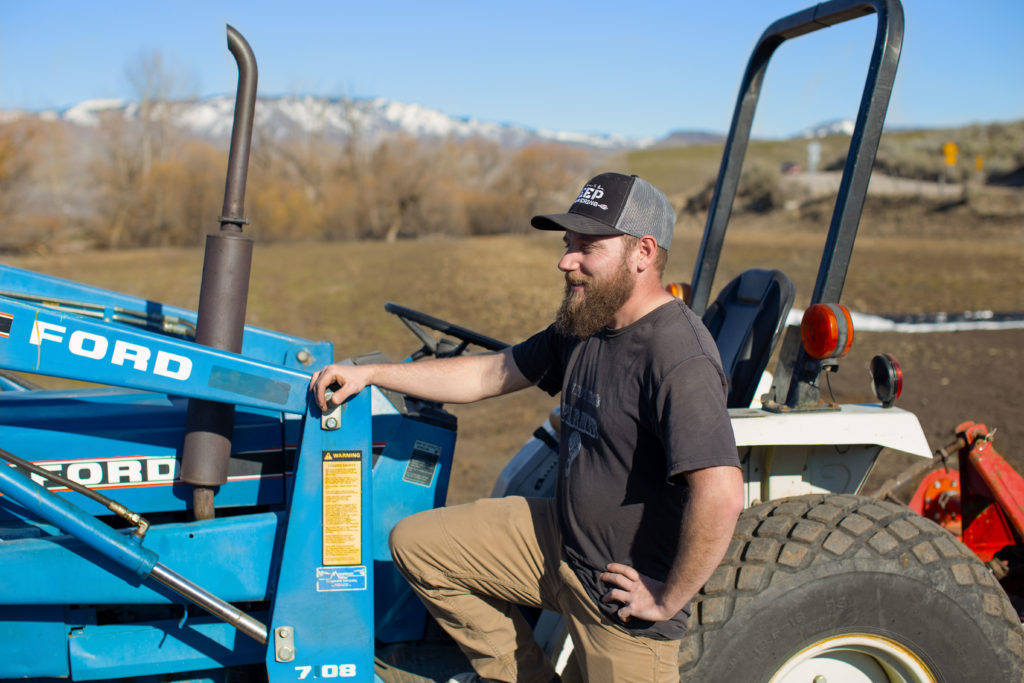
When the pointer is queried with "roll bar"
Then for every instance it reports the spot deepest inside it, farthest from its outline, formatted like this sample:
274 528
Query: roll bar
856 172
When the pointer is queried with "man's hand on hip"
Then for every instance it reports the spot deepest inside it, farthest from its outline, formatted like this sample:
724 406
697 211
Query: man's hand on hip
640 596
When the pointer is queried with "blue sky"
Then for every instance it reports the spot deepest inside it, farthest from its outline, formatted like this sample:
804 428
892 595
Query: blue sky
634 68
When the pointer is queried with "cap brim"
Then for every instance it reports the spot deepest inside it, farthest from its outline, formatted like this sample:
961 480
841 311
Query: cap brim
574 222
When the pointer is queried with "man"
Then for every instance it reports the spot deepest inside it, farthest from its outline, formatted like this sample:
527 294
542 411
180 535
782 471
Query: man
649 486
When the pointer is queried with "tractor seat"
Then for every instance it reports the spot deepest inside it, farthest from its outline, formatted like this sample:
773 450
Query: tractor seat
746 321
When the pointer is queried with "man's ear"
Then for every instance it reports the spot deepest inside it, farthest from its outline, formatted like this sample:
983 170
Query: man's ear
647 252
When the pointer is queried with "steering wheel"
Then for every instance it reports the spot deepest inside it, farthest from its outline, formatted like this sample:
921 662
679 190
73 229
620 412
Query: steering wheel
416 321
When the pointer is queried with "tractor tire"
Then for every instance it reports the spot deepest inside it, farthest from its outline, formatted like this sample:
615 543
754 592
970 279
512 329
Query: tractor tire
849 588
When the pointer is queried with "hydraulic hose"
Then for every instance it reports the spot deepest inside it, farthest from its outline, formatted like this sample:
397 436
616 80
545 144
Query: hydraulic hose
126 551
121 511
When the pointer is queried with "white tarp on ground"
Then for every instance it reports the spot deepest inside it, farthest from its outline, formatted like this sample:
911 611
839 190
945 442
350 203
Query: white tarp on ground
928 322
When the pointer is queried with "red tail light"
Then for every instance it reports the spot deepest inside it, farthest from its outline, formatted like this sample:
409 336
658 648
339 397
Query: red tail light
826 331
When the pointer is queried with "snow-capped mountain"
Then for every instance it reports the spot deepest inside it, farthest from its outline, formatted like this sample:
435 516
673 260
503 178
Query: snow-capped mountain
836 127
335 118
372 119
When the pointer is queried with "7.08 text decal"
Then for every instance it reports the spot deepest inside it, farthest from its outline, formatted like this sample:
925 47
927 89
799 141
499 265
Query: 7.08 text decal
328 671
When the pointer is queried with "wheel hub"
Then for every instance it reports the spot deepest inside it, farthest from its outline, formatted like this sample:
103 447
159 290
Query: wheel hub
854 658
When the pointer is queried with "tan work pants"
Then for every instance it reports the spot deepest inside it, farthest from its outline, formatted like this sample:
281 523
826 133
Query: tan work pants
471 564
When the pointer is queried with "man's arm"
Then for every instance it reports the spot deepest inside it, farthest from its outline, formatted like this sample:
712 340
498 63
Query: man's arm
716 500
461 379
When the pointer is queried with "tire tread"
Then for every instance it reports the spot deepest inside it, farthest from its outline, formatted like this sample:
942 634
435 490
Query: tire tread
784 537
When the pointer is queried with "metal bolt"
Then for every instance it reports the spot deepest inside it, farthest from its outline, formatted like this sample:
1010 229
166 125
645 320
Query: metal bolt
332 423
303 356
284 647
820 679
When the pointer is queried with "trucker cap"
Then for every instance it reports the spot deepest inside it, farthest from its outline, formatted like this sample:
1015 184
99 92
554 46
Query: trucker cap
614 204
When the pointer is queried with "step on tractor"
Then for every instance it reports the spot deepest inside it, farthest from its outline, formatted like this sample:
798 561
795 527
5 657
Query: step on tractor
196 517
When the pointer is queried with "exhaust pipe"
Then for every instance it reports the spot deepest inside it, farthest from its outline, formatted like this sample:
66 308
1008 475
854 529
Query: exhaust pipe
222 298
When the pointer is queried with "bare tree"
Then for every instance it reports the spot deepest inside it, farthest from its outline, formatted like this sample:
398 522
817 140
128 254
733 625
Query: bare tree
410 194
137 160
16 164
527 181
156 88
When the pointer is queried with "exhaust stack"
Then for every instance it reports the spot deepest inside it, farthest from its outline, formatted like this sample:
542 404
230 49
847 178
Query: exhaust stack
222 297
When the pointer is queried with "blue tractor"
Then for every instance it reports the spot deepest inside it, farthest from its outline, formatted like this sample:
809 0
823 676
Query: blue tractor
117 562
198 518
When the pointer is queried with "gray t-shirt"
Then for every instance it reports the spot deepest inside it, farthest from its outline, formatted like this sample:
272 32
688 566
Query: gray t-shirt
641 406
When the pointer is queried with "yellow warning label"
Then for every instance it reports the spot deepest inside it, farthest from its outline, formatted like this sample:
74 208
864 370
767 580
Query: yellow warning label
343 513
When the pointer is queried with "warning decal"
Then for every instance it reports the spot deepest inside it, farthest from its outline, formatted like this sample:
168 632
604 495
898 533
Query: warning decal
6 319
422 463
343 514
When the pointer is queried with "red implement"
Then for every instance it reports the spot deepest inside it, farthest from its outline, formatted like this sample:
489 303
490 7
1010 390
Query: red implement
983 504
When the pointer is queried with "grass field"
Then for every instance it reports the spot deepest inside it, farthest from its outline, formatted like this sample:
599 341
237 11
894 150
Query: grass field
508 287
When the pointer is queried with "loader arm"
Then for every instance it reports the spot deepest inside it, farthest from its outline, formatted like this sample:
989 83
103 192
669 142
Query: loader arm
43 341
104 304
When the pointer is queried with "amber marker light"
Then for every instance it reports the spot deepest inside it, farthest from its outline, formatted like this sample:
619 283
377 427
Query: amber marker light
680 290
826 331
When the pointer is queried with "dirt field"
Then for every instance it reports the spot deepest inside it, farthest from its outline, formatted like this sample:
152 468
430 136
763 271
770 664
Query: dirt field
909 258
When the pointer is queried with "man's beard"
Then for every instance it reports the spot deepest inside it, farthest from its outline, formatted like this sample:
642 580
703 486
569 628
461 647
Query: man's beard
584 313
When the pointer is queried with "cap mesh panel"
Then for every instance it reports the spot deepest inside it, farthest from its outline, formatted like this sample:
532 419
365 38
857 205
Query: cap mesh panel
647 212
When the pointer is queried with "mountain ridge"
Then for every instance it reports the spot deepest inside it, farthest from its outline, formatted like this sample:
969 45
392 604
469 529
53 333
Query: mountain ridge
334 118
